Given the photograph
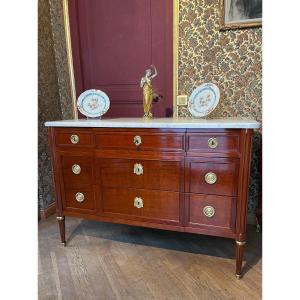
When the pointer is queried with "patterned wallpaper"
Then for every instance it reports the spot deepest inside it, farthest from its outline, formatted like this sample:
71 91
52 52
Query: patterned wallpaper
231 59
48 101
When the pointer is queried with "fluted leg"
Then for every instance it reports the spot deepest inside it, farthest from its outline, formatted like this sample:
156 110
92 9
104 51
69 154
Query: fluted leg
62 229
240 247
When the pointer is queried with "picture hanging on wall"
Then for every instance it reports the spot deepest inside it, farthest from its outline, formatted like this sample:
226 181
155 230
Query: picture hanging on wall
240 13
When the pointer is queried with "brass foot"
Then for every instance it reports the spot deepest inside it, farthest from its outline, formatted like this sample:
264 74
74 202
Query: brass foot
64 244
238 276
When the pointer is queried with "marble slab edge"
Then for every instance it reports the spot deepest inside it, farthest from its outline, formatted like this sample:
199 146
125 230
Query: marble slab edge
158 123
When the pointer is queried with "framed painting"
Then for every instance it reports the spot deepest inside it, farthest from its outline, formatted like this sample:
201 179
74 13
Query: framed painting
240 13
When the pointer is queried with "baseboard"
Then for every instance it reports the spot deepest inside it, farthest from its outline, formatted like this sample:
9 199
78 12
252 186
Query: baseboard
44 213
251 219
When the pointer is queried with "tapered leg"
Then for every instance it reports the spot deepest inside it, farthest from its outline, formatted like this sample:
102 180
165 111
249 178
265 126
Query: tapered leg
62 229
240 247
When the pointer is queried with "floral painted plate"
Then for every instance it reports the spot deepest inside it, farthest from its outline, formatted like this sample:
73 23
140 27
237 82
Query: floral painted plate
203 100
93 103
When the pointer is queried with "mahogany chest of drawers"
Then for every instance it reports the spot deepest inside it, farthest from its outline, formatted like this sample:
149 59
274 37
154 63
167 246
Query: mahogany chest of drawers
189 180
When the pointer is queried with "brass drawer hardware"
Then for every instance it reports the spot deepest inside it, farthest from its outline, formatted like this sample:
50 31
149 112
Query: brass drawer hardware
76 169
138 202
138 169
137 140
74 139
211 178
213 143
79 197
209 211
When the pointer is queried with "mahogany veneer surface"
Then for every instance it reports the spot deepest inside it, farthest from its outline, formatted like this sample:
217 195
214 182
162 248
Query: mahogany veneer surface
172 185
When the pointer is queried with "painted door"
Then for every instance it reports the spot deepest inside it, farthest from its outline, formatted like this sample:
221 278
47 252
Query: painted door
114 42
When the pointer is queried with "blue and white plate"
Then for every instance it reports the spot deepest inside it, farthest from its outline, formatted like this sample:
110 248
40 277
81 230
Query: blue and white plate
204 99
93 103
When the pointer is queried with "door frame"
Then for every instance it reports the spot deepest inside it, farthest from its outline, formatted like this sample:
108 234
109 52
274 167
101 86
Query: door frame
70 56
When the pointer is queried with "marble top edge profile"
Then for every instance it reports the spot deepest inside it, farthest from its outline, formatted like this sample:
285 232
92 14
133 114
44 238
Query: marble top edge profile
158 123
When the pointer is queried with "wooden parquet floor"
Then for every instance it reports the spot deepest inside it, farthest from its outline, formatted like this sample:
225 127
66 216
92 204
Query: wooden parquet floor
111 261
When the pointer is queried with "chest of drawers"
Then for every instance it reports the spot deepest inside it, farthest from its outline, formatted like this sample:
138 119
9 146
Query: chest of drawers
182 179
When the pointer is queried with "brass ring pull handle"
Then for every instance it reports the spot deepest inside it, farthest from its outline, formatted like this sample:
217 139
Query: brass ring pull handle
211 178
79 197
138 202
138 169
76 169
213 143
137 140
209 211
74 139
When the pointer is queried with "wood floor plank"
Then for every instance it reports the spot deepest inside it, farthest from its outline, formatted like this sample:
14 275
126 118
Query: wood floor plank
113 261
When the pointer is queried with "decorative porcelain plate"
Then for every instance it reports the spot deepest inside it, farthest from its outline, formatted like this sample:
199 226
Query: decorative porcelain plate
93 103
204 100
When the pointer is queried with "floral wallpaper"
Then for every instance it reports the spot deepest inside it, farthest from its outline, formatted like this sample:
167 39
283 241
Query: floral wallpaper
48 101
230 59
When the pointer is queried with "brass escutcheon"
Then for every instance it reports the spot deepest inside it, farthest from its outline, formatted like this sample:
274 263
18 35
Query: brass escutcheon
211 178
138 202
213 143
79 197
138 169
74 139
209 211
76 169
137 140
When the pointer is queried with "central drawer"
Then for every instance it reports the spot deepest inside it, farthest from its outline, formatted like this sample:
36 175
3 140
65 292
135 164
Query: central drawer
141 140
142 174
140 204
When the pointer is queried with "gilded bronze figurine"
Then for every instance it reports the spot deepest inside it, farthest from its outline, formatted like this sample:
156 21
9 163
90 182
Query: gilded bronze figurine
148 93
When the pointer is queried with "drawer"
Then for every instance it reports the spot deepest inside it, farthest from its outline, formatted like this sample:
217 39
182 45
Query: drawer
80 200
212 211
142 174
143 205
77 169
75 138
215 143
213 176
143 141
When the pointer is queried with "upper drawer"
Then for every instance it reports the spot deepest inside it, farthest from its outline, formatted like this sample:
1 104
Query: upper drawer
225 143
146 174
74 137
140 140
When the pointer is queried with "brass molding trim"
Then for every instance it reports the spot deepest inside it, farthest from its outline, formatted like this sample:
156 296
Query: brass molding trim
240 243
60 218
70 57
175 55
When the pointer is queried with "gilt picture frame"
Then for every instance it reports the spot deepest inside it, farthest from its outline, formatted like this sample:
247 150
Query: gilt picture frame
236 14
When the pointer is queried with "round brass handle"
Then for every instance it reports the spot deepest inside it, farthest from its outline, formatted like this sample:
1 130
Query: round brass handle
138 202
74 139
209 211
138 169
137 140
211 178
79 197
213 143
76 169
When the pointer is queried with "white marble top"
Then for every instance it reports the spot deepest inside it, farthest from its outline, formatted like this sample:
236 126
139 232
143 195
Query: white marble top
158 123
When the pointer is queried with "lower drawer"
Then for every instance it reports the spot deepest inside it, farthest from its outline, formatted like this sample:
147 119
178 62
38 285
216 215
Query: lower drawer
140 204
79 200
215 212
